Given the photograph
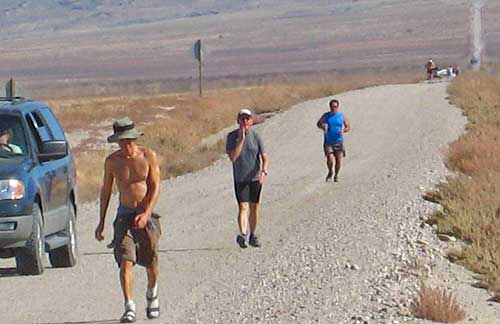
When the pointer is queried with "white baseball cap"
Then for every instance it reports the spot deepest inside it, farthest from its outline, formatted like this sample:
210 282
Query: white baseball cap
245 111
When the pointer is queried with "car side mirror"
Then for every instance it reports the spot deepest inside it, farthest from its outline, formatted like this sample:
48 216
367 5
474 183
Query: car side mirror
53 150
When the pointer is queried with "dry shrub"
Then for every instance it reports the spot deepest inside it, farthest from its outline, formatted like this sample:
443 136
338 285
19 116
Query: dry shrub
476 151
471 200
437 305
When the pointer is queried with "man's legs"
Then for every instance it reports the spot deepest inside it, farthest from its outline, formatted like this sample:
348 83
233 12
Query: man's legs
254 216
338 164
243 217
153 308
242 223
126 280
329 165
153 272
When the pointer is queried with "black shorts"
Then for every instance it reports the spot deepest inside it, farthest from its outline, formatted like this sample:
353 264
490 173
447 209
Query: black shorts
335 148
247 191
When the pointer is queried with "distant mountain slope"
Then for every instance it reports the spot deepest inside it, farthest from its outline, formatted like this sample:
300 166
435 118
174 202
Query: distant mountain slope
45 41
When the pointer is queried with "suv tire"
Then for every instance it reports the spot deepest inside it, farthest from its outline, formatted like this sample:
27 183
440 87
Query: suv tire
65 256
29 259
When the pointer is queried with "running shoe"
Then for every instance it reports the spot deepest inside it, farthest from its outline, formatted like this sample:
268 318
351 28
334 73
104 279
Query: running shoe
241 240
253 241
329 176
336 179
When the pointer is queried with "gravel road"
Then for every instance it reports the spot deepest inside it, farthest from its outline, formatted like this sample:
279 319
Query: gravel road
347 252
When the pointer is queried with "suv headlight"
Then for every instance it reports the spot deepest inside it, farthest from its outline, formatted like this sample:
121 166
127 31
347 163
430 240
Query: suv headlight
11 189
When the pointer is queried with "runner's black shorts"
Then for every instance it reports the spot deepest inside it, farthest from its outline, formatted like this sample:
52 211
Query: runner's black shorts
247 191
335 148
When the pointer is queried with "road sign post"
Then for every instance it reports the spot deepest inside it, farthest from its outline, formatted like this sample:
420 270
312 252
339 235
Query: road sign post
198 54
10 88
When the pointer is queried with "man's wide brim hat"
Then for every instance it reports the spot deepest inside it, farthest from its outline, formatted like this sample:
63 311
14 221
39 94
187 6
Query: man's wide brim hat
124 129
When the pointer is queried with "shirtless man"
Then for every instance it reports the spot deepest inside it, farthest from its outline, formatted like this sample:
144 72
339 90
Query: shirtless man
136 229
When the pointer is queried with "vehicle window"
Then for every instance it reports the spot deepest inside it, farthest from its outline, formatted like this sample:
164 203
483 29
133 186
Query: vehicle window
53 125
41 128
12 136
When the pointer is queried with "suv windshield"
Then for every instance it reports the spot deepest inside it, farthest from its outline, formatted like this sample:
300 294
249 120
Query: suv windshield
12 136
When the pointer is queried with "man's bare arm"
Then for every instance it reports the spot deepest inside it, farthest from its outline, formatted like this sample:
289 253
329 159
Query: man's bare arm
106 190
347 124
265 162
153 190
321 122
236 151
265 167
153 182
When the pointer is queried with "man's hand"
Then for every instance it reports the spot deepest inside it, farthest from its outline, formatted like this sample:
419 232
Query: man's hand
98 232
141 220
241 134
324 126
261 177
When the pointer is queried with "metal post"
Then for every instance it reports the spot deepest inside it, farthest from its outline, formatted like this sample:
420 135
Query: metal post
201 78
10 89
198 54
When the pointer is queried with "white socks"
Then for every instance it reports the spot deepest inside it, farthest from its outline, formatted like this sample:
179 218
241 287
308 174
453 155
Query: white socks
130 305
152 292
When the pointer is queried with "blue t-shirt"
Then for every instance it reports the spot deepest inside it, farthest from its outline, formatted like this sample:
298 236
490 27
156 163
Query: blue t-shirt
335 124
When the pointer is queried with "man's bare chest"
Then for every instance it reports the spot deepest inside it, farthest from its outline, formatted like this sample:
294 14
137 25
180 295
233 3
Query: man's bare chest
132 170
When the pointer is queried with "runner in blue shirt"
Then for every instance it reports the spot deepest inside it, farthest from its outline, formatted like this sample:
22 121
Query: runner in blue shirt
334 124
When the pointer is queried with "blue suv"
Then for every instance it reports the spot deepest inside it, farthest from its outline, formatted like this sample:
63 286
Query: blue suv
37 187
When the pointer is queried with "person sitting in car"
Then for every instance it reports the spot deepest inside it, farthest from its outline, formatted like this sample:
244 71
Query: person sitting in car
6 134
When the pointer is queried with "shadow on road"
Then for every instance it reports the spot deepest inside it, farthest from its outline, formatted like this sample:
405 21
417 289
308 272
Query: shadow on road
161 251
8 272
85 322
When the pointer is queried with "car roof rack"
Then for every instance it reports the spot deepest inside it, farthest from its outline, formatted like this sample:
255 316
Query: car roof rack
10 92
13 99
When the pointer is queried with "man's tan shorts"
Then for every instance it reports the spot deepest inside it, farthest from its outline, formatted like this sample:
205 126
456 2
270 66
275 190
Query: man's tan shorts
138 246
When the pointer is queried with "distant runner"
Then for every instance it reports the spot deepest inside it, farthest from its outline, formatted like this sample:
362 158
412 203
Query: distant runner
136 229
250 166
334 124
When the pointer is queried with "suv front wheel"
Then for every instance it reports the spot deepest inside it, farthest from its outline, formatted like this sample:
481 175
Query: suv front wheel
29 259
65 256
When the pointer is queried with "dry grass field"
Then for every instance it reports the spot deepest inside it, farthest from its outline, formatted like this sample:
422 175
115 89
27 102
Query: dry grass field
471 199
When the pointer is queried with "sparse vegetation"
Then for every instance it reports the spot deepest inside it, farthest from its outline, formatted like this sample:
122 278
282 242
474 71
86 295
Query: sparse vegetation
437 305
178 134
471 199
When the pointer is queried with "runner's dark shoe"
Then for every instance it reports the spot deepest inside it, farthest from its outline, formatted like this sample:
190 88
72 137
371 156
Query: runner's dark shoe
241 240
329 176
336 179
253 241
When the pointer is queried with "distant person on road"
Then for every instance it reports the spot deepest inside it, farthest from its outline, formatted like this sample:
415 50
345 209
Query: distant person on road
136 228
431 69
334 125
250 167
